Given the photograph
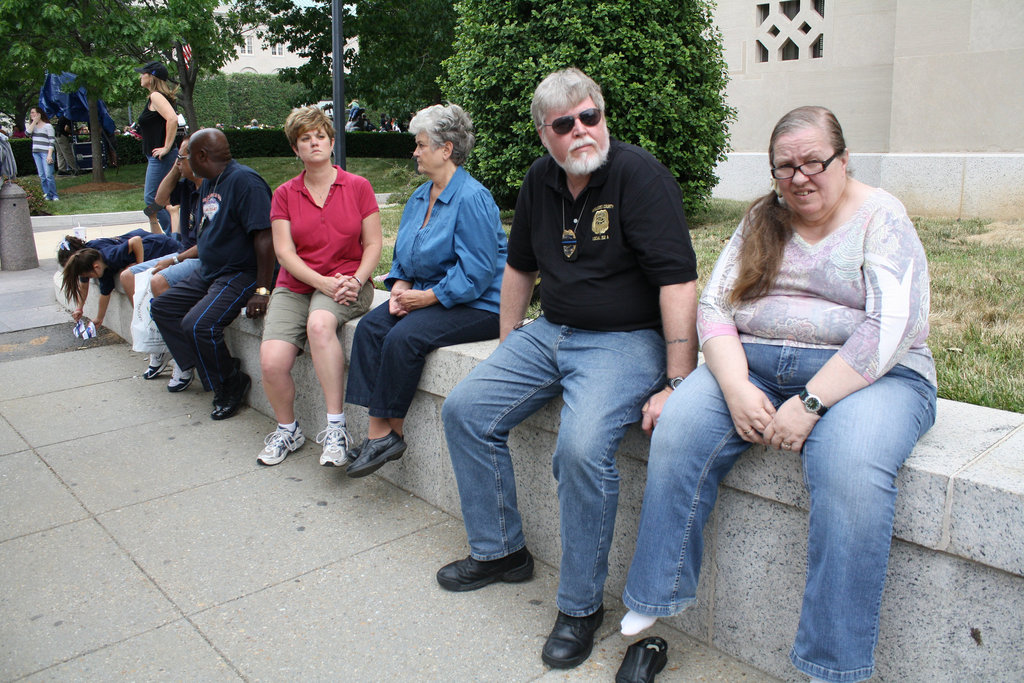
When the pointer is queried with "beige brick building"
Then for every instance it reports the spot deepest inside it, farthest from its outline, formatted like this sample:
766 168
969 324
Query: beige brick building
930 94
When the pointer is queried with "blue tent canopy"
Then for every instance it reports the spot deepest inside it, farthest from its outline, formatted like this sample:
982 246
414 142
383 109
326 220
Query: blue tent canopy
72 105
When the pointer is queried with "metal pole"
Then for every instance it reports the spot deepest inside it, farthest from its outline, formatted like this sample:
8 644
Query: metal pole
338 68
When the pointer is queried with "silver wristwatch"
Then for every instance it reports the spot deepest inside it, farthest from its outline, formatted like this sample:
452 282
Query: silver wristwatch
812 404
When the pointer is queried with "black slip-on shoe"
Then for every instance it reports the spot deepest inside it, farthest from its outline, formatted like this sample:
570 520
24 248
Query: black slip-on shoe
469 574
374 453
643 660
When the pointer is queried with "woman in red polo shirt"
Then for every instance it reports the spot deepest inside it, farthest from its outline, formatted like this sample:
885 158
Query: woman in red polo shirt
327 236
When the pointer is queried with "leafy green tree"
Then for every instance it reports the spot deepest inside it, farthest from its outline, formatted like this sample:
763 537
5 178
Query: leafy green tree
306 30
20 79
213 34
402 44
659 64
89 38
102 41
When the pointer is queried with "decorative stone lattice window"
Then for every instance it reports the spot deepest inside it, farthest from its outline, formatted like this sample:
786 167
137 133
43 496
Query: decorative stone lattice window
790 30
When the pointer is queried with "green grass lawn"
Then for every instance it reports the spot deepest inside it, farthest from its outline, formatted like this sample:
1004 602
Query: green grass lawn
387 175
977 272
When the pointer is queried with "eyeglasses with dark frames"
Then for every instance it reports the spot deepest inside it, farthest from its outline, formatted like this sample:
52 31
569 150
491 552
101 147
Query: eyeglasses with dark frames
564 124
808 168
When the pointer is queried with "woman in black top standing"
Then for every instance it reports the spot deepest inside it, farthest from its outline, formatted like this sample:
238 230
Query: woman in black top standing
158 125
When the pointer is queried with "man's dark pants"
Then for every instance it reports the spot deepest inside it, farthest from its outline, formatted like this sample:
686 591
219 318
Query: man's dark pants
192 316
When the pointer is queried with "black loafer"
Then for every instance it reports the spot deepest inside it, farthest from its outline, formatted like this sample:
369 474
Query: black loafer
643 660
231 398
571 640
375 452
470 574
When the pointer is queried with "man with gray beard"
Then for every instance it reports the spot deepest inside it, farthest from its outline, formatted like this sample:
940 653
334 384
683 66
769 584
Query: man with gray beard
602 222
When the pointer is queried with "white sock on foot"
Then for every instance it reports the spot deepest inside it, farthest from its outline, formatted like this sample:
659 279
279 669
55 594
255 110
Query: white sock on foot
634 622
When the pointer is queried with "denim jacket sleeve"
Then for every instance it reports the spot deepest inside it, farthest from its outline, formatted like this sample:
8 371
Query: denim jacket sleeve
476 249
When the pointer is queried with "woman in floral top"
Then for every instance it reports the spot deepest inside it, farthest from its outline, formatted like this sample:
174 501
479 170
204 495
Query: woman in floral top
813 326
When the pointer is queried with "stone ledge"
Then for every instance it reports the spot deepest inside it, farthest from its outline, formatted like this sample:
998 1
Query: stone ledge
954 602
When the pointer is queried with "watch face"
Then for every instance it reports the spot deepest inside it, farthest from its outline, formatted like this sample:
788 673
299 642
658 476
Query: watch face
812 404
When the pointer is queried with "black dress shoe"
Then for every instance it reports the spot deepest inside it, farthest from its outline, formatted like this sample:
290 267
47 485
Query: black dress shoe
571 640
643 660
470 574
375 452
227 401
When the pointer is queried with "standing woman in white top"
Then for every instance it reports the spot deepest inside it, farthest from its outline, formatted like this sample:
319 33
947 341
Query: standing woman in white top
41 132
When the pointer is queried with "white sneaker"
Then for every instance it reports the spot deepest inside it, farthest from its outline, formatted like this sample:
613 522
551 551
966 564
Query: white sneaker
179 379
336 443
157 364
278 444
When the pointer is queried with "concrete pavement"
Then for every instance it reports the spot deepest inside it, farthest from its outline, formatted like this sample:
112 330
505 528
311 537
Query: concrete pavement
139 540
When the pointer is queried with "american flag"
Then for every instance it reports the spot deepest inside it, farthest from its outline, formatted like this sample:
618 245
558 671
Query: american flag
186 54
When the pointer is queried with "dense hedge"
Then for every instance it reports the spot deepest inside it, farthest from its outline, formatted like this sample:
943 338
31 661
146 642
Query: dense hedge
236 99
263 142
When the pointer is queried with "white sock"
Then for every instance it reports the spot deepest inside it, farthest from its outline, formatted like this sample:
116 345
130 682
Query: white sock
288 427
817 680
634 622
336 417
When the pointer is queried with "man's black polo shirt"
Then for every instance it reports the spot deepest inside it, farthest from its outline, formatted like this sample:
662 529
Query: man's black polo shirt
632 239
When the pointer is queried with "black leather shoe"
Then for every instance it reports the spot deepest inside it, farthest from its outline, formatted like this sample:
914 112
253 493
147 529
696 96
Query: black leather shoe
643 661
230 398
571 640
375 452
470 574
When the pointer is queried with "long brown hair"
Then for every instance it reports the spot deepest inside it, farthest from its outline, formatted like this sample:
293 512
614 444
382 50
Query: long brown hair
78 264
166 89
768 221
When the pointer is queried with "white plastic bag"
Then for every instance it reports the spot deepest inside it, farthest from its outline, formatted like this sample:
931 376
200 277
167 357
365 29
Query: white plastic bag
145 334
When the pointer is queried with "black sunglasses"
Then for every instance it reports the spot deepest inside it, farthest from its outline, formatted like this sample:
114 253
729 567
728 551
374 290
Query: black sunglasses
564 124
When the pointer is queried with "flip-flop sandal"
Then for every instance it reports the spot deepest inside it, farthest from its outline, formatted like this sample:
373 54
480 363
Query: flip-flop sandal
643 660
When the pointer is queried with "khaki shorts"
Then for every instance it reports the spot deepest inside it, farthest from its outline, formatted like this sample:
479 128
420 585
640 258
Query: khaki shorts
288 312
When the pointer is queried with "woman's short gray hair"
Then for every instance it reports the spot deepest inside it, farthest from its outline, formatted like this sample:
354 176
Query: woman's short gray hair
563 90
446 124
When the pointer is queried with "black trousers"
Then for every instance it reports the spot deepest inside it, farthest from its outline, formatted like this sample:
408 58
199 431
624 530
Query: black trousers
192 316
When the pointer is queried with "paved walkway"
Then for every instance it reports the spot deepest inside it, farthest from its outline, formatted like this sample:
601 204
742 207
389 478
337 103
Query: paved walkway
140 541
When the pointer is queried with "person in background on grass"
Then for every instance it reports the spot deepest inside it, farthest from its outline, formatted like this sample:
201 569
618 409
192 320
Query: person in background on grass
18 132
445 283
104 259
67 163
41 132
236 269
158 124
179 188
603 224
814 325
327 237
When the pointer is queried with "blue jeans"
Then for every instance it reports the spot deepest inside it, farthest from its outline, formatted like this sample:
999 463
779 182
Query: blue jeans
388 353
172 274
156 169
850 461
604 378
45 172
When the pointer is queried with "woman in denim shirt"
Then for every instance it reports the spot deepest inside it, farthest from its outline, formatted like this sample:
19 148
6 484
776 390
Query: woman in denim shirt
445 283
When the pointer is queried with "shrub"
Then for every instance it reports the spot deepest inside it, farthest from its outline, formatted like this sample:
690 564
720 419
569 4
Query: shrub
34 194
659 63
